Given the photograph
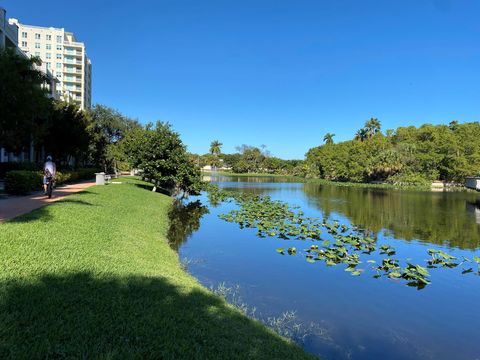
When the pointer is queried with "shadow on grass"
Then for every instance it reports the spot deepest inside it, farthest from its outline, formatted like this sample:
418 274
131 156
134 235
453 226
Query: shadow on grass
81 316
44 214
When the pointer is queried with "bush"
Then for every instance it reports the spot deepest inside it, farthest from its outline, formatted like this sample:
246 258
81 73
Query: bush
409 179
20 182
10 166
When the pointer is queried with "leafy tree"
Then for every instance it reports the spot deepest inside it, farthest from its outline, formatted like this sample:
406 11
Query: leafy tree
215 147
67 137
362 134
372 126
108 127
328 138
24 106
159 152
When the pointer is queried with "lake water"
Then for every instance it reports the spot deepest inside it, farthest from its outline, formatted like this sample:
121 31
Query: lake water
361 317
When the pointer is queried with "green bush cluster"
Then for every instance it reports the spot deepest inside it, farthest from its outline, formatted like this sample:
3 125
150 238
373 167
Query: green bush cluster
10 166
22 181
18 182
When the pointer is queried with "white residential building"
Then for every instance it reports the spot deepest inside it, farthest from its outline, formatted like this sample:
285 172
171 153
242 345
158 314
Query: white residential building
64 56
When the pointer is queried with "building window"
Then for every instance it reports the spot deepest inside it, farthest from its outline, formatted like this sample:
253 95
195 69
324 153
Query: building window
49 65
49 55
59 66
48 46
24 44
37 45
59 47
59 38
49 37
24 35
37 36
37 53
59 56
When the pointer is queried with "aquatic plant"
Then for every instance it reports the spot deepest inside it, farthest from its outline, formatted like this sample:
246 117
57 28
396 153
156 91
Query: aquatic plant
341 244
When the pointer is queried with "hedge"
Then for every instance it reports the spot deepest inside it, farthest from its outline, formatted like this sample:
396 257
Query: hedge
10 166
19 182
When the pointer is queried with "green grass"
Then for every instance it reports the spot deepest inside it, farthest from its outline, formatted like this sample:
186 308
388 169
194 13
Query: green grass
92 276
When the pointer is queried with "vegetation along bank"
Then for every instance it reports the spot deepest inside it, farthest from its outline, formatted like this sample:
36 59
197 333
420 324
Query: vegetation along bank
93 276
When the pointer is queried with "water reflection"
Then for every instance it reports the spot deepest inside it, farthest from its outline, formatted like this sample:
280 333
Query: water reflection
184 221
440 218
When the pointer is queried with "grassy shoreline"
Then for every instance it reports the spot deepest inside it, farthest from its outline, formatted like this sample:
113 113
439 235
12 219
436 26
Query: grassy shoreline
92 276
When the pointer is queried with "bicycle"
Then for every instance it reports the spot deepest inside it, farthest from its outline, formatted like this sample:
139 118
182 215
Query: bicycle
49 187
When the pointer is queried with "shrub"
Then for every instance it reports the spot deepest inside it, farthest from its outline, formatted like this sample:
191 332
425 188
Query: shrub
409 179
19 182
10 166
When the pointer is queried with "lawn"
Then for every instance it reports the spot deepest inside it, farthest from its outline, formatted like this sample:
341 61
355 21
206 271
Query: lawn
92 276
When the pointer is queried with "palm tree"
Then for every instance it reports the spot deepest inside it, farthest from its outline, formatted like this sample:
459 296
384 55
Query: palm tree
215 147
328 138
362 134
373 126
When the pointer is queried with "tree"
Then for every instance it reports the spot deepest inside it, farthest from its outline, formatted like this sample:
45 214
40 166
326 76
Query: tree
67 137
372 126
328 138
159 152
215 147
361 134
24 105
108 127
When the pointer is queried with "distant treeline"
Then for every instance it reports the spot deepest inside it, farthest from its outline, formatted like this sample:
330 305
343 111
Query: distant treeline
405 156
250 159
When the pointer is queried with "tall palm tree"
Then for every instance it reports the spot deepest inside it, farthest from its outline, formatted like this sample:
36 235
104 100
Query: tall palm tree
328 138
362 134
215 147
373 126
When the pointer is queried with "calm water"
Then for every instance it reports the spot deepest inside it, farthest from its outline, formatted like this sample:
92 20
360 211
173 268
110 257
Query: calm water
364 318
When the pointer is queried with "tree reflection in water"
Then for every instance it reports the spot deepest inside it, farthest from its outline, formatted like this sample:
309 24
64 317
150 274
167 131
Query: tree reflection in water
184 221
436 218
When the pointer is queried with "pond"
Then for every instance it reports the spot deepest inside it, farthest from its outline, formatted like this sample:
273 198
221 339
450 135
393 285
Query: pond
359 317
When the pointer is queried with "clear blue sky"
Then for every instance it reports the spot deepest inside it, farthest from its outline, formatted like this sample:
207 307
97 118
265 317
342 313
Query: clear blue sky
276 72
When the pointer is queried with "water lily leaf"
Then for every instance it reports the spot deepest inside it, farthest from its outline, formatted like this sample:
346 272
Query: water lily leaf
466 271
371 261
476 259
394 275
281 250
356 273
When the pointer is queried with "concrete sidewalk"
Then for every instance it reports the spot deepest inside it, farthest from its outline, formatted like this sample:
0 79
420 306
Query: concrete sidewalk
17 205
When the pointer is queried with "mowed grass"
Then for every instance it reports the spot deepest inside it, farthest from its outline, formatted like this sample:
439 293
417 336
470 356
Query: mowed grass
92 276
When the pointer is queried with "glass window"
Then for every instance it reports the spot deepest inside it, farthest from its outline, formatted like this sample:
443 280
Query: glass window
59 66
49 65
59 38
37 45
59 47
59 56
37 53
48 46
49 37
49 55
24 44
24 35
37 36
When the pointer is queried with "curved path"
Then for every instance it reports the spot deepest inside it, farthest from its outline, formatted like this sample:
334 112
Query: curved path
18 205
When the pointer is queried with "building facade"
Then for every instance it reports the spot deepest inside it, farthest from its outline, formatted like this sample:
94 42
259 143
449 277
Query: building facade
9 41
64 56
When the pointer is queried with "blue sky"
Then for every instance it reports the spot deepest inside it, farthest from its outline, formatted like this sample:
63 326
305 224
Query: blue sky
276 72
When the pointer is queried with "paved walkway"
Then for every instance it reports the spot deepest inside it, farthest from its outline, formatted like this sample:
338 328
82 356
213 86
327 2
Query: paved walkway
17 205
